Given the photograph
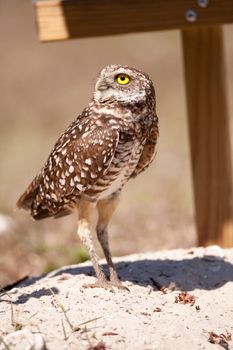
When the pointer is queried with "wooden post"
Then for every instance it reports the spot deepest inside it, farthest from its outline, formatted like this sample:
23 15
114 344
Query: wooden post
209 134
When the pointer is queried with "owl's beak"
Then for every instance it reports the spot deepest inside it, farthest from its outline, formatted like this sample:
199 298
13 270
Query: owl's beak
101 85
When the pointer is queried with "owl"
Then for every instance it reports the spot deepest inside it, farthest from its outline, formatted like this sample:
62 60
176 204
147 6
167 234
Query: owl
110 142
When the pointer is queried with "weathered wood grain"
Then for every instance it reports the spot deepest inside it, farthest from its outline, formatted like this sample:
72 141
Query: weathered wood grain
209 134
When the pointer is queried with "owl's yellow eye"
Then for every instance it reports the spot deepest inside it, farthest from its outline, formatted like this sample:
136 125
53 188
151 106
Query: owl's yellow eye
122 79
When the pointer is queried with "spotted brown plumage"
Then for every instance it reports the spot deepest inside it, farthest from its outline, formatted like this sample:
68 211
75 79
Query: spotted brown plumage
113 140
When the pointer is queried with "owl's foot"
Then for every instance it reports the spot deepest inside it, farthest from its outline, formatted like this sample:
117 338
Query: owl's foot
115 281
110 285
100 284
119 285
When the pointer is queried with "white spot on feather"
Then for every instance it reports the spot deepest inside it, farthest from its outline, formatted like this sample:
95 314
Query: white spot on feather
80 187
71 169
62 182
88 161
93 175
77 178
54 196
57 160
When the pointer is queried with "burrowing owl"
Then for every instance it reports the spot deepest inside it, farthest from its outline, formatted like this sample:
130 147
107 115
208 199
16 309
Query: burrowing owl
110 142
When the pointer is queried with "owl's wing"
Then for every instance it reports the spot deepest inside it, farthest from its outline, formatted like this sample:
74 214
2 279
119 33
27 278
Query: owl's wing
69 171
149 150
85 160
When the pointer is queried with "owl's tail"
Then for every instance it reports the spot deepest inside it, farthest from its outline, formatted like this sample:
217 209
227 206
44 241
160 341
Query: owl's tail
38 211
26 199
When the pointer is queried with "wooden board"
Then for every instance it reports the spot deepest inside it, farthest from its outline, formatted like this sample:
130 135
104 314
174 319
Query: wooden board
209 134
60 20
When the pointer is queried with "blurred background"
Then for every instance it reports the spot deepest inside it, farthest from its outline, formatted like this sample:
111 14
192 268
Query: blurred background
43 87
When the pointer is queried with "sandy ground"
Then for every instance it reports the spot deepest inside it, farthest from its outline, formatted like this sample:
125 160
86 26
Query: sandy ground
151 315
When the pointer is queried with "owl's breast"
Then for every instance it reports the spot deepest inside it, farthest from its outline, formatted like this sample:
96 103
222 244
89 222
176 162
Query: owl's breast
119 172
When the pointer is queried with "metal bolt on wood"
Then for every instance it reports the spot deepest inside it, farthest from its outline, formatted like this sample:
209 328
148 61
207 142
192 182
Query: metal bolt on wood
203 3
191 16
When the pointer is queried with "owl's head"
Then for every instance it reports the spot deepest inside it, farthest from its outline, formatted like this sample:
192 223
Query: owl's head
117 83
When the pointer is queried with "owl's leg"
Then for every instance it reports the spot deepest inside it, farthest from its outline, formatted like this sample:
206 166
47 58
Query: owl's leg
85 209
106 208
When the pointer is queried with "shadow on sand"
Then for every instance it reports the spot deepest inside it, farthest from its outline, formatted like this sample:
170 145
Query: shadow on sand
187 274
